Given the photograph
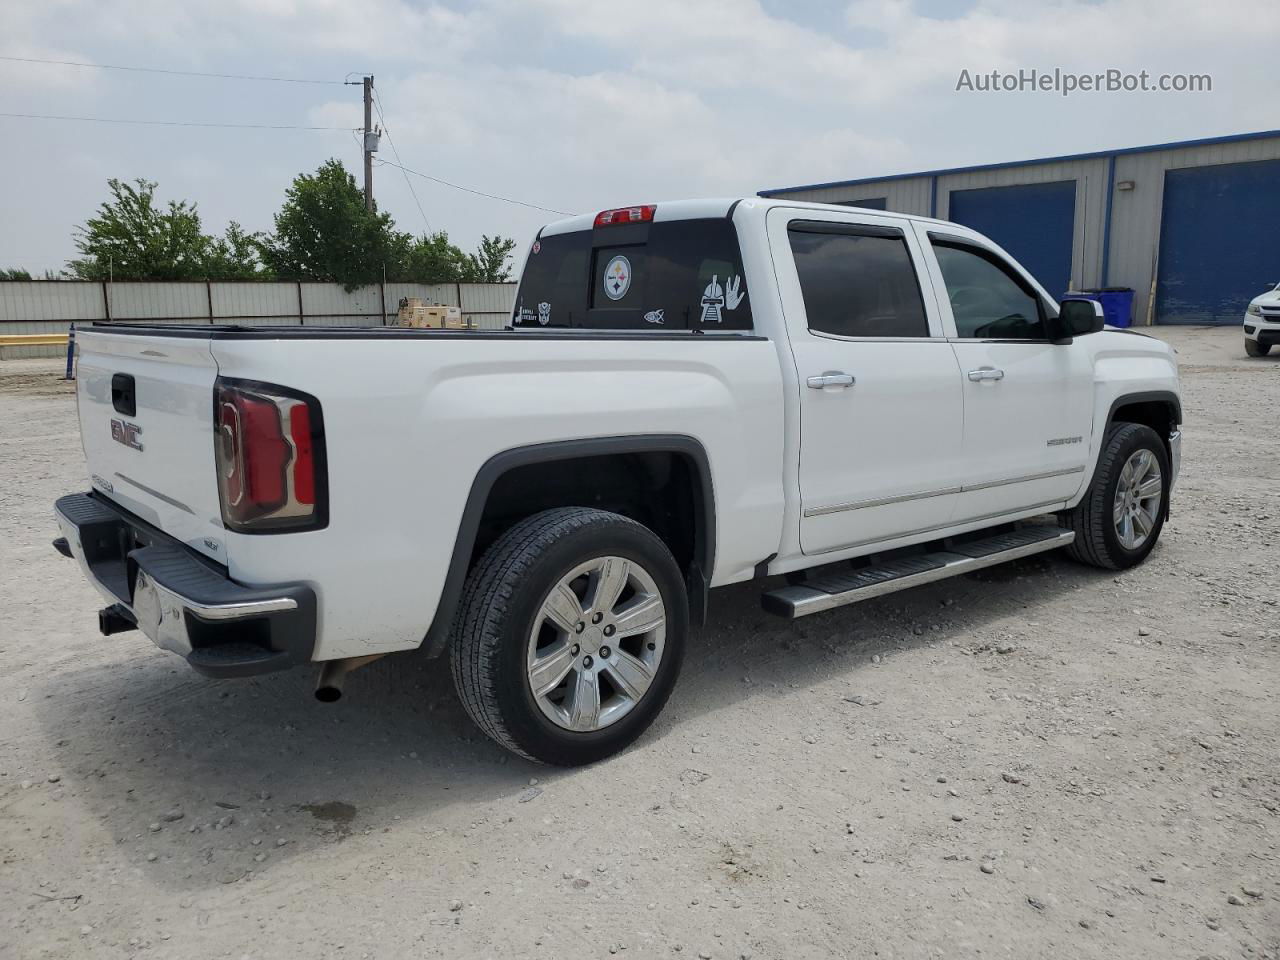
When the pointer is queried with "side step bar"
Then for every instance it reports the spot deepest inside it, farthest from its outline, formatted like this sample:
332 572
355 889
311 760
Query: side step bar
845 587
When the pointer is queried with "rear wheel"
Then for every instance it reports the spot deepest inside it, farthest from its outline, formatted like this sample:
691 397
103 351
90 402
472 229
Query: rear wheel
1256 349
570 635
1120 518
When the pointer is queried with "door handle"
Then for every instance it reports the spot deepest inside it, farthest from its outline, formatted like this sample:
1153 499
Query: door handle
832 378
985 373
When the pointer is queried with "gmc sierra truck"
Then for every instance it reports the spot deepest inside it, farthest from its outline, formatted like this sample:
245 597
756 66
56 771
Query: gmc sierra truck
688 395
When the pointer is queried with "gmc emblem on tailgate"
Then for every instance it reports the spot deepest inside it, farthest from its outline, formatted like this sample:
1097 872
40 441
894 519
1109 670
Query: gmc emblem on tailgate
122 431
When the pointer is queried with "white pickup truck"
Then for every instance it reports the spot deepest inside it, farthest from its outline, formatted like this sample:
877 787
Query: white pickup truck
689 395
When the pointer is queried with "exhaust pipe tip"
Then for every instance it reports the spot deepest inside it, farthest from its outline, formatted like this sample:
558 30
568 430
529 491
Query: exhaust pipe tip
333 674
115 619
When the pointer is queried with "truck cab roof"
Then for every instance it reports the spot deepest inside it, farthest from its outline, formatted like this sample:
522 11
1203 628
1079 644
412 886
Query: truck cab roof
690 209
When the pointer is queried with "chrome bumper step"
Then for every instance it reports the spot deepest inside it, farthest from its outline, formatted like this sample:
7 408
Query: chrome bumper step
850 586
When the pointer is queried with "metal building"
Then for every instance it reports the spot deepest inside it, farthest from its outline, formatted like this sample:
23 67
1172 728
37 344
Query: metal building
1200 217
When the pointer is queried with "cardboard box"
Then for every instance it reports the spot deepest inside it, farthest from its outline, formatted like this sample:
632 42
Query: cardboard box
414 313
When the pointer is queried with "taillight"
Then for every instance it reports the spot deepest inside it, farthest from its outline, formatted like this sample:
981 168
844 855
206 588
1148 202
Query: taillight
638 214
269 450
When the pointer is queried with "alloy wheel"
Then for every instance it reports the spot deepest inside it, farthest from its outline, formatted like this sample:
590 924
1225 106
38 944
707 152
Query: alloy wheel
596 643
1138 497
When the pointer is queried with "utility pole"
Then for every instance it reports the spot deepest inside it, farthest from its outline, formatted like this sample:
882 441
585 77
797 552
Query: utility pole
370 141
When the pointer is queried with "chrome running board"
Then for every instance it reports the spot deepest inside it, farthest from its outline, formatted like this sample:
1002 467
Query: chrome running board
849 586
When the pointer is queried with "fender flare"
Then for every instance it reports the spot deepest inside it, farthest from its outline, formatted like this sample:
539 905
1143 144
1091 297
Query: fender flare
1167 397
1147 396
697 577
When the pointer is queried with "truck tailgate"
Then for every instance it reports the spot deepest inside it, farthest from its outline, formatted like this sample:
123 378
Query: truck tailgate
146 421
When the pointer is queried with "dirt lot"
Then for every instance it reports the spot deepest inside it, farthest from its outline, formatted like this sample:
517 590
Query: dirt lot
877 781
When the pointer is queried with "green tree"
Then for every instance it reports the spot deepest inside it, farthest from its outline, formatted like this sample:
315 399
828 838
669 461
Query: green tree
135 238
132 238
235 256
16 273
324 232
490 263
433 259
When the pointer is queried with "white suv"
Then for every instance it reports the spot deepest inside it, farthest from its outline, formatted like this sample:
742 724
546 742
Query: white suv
1262 323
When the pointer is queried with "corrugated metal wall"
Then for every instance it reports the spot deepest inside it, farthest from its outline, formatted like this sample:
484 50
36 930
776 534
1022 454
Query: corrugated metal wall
1091 204
913 195
1135 213
902 195
51 306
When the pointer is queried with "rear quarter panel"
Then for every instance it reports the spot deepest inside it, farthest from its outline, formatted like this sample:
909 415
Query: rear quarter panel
409 422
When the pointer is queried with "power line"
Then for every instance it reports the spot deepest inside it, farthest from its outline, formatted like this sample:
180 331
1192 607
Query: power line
478 193
170 123
377 102
172 73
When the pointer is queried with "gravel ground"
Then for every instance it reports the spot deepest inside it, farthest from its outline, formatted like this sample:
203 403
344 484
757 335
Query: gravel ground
1040 760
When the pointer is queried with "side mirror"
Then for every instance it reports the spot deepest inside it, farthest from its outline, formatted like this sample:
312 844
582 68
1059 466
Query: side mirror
1078 316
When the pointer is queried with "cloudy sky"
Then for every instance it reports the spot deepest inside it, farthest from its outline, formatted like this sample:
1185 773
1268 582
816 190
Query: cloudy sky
577 105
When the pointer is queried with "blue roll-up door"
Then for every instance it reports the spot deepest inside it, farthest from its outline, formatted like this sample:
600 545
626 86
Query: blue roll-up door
1217 241
1035 222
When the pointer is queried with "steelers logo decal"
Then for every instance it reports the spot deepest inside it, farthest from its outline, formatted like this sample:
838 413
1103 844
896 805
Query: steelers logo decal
617 278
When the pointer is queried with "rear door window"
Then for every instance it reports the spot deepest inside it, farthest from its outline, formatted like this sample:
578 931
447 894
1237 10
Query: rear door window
857 280
668 275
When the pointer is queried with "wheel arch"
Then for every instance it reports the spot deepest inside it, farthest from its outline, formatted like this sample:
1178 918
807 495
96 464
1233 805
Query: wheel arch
1161 410
499 473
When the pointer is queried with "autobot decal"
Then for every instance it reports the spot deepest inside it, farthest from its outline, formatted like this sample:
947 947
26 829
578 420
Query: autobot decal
716 299
617 278
544 313
654 316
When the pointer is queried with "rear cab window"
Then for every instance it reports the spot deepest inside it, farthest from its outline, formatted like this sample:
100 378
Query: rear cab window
659 275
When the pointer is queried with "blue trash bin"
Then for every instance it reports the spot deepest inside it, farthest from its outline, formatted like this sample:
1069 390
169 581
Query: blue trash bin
1117 305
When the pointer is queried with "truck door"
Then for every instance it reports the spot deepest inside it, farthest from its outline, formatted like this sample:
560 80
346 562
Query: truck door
880 396
1028 403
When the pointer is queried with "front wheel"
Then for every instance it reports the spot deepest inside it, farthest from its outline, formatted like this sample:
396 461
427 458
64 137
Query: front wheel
1256 349
570 635
1120 518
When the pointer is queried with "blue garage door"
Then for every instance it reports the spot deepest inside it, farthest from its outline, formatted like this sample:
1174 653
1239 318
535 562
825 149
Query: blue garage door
1035 222
1218 247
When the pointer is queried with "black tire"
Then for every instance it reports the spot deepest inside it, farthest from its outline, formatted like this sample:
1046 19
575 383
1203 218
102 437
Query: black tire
1097 542
504 592
1255 349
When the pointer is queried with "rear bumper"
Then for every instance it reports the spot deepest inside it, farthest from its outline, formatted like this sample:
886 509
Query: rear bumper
181 601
